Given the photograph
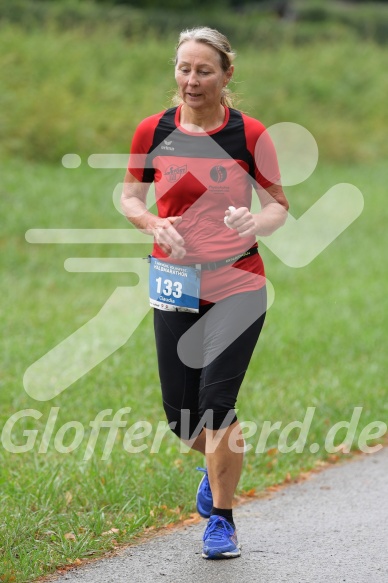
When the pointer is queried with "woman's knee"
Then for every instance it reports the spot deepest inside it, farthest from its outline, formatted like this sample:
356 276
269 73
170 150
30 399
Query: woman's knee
184 423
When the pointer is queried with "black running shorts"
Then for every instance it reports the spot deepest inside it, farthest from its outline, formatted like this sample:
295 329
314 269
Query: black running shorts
202 360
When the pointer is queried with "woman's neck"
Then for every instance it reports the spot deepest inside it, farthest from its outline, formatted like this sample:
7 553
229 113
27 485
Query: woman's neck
196 120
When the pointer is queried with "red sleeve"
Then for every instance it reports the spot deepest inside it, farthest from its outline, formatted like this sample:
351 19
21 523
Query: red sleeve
263 151
142 143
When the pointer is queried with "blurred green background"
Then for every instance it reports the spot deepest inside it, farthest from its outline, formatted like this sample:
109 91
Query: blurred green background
77 77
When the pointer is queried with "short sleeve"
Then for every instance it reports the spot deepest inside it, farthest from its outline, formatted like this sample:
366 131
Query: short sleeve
140 163
262 149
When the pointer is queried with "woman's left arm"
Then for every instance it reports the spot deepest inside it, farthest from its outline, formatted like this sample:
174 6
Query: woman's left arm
273 214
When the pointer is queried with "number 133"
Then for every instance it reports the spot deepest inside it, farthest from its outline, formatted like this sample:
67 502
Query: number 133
173 288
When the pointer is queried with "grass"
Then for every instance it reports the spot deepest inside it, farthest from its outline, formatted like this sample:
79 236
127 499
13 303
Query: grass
322 346
70 92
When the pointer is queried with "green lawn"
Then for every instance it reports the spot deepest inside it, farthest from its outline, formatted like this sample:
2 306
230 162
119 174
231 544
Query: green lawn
323 346
73 92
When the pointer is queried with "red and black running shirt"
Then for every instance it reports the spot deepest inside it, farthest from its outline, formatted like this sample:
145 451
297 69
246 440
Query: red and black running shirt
198 176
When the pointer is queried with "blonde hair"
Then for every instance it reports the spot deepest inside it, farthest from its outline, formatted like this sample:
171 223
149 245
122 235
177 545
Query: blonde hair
220 43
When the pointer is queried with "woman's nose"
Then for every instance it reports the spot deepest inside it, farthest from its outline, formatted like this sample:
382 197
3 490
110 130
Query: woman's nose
193 79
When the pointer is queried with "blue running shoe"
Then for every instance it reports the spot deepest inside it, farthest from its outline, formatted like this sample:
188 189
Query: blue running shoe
204 496
220 539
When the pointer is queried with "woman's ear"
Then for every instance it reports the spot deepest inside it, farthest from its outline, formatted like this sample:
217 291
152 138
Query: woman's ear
229 74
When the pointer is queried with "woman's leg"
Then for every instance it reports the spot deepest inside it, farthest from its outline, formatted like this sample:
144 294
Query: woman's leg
198 443
220 383
224 463
179 382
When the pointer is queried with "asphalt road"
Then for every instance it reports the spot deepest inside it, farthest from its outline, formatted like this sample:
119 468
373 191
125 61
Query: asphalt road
330 528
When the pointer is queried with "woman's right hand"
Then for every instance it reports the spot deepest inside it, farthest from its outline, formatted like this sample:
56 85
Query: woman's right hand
168 238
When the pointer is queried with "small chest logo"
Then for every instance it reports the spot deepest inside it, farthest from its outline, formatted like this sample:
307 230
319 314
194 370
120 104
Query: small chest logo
218 174
174 172
167 145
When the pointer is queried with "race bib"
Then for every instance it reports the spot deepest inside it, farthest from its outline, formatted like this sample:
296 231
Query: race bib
174 287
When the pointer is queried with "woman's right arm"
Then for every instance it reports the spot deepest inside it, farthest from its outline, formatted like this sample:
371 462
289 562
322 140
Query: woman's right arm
133 203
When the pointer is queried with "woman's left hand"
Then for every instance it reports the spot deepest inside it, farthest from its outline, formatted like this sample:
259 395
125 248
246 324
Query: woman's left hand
242 221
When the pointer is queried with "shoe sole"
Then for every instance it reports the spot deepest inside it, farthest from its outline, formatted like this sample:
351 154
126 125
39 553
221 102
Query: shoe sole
227 555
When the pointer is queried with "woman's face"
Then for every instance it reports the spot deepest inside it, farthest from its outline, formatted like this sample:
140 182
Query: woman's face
199 75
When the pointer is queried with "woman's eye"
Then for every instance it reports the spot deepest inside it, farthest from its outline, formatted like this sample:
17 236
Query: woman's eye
204 72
